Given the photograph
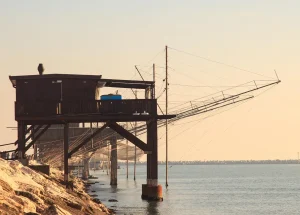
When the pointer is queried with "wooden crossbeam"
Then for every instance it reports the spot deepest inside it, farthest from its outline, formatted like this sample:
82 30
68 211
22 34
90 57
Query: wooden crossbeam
37 137
32 133
27 130
129 136
86 140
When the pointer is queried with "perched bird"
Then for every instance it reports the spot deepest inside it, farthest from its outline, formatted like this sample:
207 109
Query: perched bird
41 68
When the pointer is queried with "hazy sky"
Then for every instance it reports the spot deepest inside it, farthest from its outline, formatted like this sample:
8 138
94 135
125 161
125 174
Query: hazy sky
110 37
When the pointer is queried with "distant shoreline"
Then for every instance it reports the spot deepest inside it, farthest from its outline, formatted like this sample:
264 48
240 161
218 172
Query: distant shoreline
225 162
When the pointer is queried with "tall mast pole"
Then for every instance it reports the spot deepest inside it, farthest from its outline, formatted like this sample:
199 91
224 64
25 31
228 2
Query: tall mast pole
167 114
153 90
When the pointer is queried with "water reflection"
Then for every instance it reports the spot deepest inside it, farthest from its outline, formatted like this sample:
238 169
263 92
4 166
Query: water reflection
152 208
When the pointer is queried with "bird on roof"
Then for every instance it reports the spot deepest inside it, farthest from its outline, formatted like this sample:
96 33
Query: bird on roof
41 69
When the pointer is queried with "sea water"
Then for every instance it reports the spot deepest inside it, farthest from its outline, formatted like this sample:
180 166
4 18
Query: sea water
251 189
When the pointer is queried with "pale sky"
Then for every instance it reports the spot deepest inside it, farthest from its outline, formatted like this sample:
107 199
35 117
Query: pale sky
110 37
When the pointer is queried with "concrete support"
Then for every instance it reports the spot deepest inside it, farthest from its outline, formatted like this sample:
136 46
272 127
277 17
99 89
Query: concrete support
66 149
86 168
114 162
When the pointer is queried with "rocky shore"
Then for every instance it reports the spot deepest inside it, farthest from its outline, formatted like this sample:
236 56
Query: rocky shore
25 191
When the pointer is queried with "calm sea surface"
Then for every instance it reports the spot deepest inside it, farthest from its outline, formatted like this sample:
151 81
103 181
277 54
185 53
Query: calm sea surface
207 190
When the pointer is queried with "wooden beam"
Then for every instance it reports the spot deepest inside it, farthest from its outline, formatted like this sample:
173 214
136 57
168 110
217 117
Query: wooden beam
21 140
37 137
86 140
31 135
129 136
92 118
66 149
27 130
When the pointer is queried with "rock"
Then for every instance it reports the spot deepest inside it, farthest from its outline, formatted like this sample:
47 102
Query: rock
30 196
9 207
6 187
113 200
48 201
97 201
89 183
74 205
24 191
55 210
29 206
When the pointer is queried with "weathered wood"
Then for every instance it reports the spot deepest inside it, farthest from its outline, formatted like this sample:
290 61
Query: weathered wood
91 118
37 137
86 140
66 148
129 136
21 140
114 161
86 168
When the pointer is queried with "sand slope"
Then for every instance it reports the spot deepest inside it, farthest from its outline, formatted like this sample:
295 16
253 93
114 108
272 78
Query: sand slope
22 191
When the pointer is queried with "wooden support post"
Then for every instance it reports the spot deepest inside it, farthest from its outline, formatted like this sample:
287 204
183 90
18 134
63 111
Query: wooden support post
107 163
135 125
114 162
134 171
34 145
152 165
127 154
86 168
66 148
151 190
21 140
35 151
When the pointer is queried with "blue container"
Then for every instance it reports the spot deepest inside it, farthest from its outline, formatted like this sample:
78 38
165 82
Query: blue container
111 97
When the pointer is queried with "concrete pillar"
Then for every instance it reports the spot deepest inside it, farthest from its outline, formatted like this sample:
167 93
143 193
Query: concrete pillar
114 162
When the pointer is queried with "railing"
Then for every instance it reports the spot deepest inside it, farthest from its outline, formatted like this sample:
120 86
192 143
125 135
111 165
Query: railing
113 107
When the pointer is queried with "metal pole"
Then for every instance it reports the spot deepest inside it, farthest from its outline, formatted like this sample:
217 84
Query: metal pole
153 90
167 114
139 72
